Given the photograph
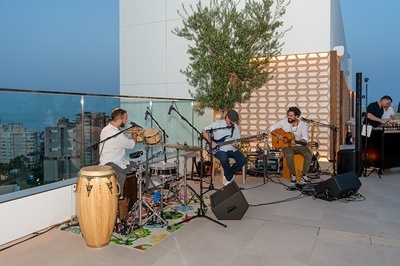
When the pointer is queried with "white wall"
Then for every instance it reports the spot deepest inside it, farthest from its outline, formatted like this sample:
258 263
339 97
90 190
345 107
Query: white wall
151 57
26 215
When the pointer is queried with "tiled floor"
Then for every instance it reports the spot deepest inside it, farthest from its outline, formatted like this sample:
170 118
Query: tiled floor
286 228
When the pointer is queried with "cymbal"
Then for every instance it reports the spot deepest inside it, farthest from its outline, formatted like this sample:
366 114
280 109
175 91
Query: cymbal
184 147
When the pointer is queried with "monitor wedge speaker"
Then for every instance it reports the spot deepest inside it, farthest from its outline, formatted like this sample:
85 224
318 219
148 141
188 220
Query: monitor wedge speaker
228 203
338 186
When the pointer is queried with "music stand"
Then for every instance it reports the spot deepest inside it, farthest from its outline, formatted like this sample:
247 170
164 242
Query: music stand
200 210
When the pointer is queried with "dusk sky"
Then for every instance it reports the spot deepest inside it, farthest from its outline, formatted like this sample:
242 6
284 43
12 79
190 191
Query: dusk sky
74 45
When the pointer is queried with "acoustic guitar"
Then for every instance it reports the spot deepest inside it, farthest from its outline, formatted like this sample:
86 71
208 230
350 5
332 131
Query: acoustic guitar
287 139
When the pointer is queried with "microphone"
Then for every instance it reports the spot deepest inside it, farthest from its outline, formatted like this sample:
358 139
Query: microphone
133 124
305 120
135 154
146 113
171 108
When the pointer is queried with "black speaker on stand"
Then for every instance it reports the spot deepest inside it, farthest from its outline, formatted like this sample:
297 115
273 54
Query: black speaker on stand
347 161
228 203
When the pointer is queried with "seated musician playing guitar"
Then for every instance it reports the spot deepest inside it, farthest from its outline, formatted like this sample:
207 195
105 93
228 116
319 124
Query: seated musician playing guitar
292 135
221 131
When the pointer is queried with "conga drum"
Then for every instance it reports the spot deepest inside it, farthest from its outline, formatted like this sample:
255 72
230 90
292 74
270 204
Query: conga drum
96 203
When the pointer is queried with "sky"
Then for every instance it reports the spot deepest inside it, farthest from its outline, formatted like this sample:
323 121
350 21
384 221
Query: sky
73 45
373 41
60 45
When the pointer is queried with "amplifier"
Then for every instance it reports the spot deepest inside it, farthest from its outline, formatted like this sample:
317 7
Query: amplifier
273 164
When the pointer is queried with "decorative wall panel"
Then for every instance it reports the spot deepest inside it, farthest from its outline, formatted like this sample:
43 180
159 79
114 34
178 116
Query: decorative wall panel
311 82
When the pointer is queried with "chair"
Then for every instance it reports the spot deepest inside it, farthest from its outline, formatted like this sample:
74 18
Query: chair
217 163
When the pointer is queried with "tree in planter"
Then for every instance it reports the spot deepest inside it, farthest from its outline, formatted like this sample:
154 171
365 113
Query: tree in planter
229 49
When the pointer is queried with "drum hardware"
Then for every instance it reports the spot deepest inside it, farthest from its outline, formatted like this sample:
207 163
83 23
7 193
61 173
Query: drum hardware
137 209
200 210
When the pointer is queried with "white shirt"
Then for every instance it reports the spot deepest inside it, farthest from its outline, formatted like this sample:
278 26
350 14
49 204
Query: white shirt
387 113
220 134
299 132
113 150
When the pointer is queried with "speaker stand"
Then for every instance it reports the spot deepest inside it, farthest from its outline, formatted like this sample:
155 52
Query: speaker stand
363 169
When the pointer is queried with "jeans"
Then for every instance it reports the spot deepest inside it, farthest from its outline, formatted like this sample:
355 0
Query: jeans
223 157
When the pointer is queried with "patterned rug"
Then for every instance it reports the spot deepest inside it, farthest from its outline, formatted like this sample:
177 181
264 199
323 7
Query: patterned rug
129 235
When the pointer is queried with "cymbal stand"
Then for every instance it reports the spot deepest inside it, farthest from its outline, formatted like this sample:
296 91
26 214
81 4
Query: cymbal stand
186 186
201 211
170 189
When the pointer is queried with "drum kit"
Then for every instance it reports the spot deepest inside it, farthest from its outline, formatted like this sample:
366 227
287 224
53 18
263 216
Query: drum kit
158 183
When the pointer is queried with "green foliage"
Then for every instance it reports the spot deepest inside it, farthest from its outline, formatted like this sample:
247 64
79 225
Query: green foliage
229 49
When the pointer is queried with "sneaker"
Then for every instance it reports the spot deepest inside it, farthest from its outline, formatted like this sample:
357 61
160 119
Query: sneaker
226 181
292 179
305 178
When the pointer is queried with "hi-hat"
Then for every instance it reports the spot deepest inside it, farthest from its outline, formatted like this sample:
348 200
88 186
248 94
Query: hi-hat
184 147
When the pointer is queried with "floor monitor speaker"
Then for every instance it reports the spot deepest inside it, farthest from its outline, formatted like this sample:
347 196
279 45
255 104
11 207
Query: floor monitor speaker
228 203
339 186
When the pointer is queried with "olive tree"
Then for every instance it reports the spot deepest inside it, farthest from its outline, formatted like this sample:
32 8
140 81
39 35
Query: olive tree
230 45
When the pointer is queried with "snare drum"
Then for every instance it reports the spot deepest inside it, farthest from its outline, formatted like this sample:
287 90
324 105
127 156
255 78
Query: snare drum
163 169
152 136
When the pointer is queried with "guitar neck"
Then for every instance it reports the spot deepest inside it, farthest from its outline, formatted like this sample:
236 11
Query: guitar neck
238 140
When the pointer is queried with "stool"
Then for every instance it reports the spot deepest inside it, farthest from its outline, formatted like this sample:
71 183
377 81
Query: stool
298 165
231 161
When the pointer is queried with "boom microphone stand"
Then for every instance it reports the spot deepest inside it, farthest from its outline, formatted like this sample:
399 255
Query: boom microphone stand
200 211
165 135
334 131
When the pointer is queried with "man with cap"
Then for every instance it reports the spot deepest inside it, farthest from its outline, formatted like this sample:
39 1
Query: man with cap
221 131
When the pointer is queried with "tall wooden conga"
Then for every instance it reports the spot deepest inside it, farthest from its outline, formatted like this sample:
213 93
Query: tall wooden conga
96 203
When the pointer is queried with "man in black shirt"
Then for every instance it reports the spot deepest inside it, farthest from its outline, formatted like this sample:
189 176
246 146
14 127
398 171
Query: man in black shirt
375 111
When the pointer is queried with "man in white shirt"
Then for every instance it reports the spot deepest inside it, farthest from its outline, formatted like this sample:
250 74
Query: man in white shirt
112 151
388 113
221 131
293 125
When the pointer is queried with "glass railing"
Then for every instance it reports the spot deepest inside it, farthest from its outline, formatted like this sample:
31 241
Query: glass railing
47 137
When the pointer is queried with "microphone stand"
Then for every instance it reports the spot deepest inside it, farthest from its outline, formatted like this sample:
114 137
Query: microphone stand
165 135
95 145
200 211
334 131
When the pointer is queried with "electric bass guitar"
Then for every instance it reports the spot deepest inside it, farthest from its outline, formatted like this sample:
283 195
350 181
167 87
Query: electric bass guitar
287 140
222 142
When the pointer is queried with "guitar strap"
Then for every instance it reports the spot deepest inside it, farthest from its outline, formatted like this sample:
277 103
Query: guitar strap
233 128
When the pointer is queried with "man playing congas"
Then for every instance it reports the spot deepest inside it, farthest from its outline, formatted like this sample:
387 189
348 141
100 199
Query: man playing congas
112 151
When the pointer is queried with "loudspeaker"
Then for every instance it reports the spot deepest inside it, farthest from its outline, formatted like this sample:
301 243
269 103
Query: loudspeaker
229 203
346 161
339 186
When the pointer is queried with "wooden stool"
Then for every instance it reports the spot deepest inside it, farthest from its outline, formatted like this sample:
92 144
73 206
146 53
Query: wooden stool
298 165
231 161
